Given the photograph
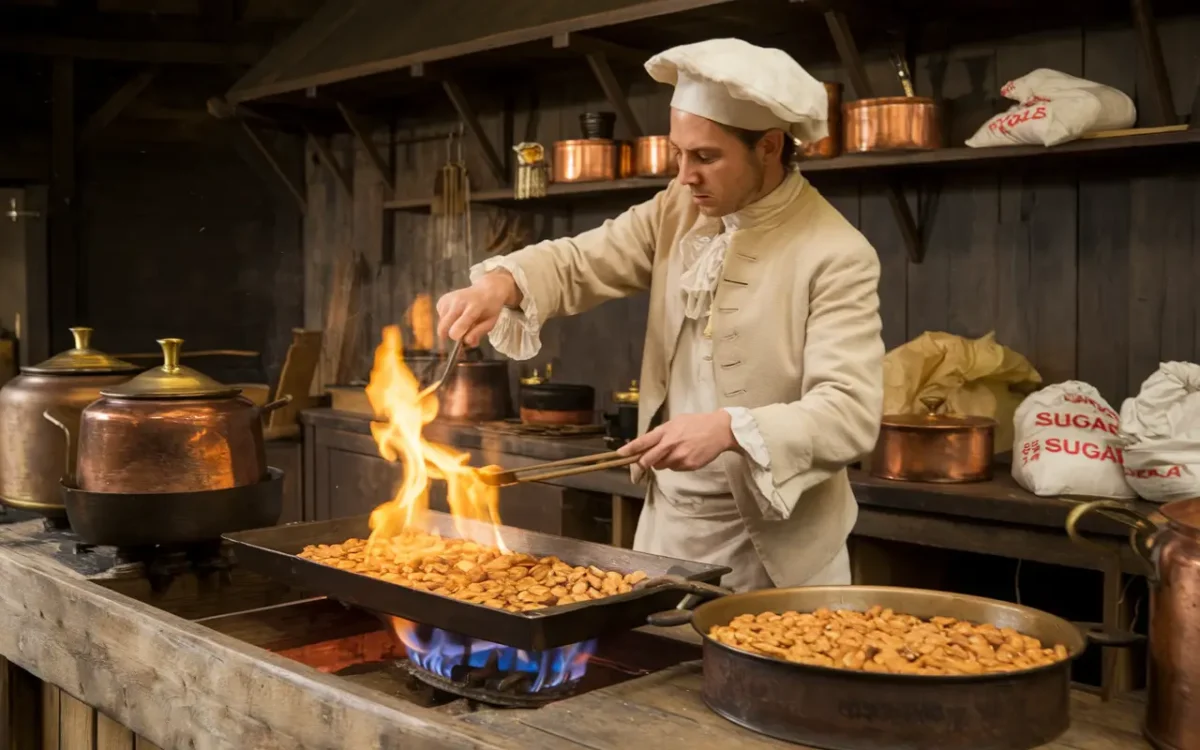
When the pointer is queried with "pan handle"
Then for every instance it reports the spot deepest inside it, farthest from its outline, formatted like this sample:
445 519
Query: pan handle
278 403
696 591
1142 532
55 417
1096 633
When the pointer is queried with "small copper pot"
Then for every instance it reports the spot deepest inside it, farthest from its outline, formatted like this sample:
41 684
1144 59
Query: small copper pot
476 392
169 430
592 160
654 157
831 145
891 123
934 447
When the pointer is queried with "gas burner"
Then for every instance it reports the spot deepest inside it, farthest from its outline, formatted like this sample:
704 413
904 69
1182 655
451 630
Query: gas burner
489 672
489 685
517 427
159 563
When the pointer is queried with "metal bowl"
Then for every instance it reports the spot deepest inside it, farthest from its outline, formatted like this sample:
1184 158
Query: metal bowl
843 709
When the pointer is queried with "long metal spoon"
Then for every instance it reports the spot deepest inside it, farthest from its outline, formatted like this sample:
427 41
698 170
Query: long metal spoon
450 362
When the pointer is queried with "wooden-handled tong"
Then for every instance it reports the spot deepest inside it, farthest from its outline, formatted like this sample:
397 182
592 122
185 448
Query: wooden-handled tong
557 469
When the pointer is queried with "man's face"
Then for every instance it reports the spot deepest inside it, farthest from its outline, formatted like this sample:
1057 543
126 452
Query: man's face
723 174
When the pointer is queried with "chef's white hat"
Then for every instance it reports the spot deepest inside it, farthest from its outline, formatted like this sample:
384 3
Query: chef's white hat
738 84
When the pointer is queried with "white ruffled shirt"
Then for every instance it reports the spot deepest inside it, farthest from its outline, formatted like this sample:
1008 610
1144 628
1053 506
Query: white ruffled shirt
517 332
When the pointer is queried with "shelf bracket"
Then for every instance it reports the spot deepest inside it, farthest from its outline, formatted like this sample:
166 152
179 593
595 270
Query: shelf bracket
843 40
362 130
467 115
613 91
273 163
115 105
1152 56
329 160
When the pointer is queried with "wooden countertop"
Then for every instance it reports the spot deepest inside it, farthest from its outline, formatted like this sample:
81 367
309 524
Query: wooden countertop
182 684
998 501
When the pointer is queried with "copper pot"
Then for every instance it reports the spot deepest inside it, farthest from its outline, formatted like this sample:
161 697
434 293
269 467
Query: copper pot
1170 553
655 157
934 447
592 159
891 123
831 145
169 430
32 452
477 391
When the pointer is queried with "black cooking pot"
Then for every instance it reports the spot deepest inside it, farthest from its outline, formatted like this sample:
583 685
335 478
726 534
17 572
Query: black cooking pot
557 403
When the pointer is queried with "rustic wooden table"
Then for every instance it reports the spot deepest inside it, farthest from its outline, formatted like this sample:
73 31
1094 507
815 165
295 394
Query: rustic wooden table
119 673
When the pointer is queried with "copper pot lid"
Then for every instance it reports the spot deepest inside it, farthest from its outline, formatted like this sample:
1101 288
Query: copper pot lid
876 101
630 396
934 420
81 360
171 380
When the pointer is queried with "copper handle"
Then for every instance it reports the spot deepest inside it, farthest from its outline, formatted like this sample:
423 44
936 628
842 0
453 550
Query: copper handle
278 403
1142 532
62 425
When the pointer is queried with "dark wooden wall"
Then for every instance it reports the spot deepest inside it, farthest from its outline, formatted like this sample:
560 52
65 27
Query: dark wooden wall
180 229
1087 268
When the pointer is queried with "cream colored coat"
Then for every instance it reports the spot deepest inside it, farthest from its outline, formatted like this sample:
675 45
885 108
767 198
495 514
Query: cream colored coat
796 340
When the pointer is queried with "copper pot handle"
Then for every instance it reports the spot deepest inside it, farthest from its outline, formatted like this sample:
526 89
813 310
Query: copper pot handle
62 425
1142 532
271 406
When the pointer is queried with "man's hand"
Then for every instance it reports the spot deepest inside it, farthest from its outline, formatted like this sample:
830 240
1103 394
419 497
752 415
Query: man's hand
685 443
470 314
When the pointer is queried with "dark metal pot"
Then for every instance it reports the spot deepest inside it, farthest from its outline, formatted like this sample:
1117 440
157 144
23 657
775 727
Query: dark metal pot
170 429
842 709
622 423
557 403
32 451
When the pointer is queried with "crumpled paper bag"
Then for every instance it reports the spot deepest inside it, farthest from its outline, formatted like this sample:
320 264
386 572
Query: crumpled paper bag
977 377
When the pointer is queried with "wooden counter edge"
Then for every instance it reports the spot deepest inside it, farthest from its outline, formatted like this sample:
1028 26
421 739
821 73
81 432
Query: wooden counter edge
179 684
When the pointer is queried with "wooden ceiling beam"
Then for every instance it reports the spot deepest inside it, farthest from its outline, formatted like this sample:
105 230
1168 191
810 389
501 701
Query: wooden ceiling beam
115 105
157 52
590 45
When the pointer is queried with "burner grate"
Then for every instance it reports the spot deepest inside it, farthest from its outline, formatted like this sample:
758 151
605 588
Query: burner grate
488 684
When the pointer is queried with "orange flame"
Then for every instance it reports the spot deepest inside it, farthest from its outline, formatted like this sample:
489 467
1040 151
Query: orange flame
420 319
396 396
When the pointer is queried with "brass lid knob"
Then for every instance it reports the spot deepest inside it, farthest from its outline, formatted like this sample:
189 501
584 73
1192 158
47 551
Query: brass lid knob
630 396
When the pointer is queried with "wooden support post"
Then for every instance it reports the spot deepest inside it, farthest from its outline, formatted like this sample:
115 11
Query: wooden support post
1152 56
847 50
613 91
329 161
115 105
362 132
276 168
467 115
64 260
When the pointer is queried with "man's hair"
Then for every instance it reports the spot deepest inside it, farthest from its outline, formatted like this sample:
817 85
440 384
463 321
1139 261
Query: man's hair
751 138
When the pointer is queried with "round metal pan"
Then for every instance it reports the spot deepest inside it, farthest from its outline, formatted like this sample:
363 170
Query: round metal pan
842 709
144 519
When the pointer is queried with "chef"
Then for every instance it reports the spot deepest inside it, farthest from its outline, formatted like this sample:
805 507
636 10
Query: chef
762 368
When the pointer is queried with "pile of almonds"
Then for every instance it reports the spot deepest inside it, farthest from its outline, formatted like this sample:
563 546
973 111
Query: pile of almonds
473 572
881 640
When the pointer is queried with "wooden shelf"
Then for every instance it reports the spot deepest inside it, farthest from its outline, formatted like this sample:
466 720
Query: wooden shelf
946 157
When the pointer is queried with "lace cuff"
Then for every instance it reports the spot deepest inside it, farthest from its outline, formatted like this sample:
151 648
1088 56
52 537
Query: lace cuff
517 334
748 437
